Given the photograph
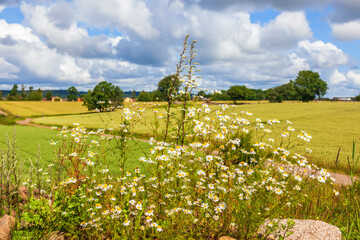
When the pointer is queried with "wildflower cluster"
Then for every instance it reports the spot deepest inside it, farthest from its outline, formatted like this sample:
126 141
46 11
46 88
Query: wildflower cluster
223 171
231 175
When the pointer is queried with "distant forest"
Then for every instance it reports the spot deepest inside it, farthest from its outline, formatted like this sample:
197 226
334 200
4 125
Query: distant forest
63 93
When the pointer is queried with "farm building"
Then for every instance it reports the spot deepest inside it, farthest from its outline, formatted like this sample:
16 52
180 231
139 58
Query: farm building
341 99
54 99
128 100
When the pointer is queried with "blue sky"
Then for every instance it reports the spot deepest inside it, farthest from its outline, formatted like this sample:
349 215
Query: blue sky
134 43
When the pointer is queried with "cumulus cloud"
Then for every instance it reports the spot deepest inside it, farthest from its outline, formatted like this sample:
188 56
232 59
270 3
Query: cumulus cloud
67 37
354 77
40 62
344 11
134 43
133 15
7 70
322 55
9 2
337 78
249 5
285 30
346 31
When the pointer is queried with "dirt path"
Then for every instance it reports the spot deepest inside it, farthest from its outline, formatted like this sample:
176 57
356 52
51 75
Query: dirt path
27 122
340 179
3 113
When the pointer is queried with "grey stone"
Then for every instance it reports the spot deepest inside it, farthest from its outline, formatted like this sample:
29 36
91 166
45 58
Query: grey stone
303 230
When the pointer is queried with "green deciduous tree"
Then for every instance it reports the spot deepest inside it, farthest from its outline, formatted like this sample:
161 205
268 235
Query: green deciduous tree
222 96
283 92
144 97
168 85
133 94
22 94
104 97
72 94
238 93
308 85
35 95
156 96
13 94
48 95
256 94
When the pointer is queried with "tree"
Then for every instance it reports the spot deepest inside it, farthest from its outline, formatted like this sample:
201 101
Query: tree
72 94
156 96
222 96
48 95
256 94
104 97
201 93
283 92
22 94
13 94
168 85
0 95
144 97
274 96
35 95
238 93
308 85
133 94
357 98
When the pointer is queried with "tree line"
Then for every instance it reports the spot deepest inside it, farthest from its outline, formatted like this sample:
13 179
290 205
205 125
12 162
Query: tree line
306 87
30 94
106 97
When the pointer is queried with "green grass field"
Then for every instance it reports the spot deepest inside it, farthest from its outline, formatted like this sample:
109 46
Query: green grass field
40 108
28 140
332 124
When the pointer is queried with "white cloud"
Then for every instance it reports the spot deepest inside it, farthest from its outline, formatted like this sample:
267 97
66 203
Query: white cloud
7 70
17 32
31 58
2 7
136 42
133 15
285 30
72 40
354 77
337 78
349 31
295 65
322 55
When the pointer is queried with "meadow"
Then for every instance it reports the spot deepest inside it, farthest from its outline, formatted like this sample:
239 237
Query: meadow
40 108
331 124
33 142
219 184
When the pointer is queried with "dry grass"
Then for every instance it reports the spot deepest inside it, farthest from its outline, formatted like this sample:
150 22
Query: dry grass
40 108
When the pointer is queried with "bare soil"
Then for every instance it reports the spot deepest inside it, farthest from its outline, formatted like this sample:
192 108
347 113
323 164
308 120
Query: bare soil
3 113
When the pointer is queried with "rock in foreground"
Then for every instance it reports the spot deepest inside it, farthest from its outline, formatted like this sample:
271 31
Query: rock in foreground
6 224
305 230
